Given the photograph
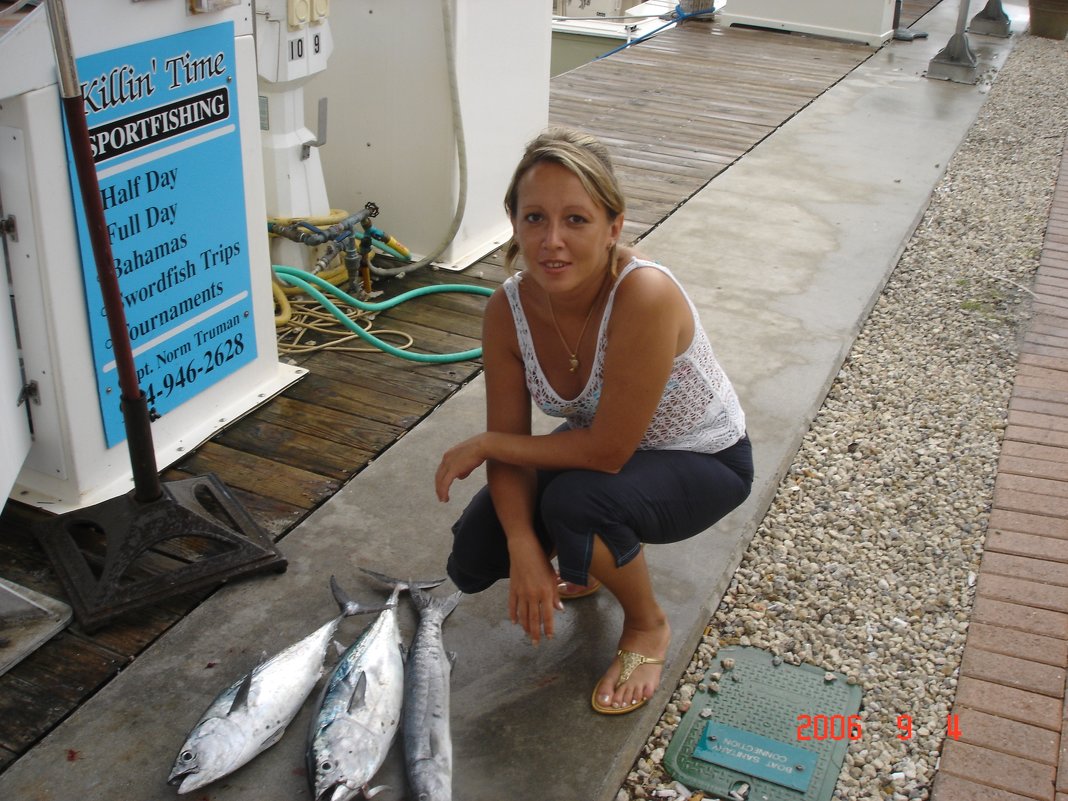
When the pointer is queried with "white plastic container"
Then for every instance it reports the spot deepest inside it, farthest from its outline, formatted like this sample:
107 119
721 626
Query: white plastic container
392 134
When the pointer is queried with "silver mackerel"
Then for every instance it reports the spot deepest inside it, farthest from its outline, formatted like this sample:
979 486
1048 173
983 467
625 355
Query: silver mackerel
251 714
360 708
427 730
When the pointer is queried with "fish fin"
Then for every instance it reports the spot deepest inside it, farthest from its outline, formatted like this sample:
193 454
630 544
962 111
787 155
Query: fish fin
241 697
371 792
343 600
403 585
338 647
405 650
451 656
449 603
424 601
350 607
380 577
426 584
276 735
359 695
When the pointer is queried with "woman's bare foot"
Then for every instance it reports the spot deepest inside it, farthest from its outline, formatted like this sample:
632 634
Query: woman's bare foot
639 687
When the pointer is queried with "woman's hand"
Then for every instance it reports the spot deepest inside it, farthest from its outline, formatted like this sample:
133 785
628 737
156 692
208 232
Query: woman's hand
458 462
532 594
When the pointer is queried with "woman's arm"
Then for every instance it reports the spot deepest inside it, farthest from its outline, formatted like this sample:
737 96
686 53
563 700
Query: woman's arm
532 588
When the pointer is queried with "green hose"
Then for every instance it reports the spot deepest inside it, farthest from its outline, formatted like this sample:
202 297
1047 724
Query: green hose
303 280
382 246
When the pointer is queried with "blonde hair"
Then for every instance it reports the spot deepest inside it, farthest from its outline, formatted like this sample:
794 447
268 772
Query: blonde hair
580 153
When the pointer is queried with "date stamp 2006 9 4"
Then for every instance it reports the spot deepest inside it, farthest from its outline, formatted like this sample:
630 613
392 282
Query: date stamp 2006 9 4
841 727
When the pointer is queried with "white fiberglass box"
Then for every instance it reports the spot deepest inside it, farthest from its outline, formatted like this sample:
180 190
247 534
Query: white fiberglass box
392 130
72 462
868 21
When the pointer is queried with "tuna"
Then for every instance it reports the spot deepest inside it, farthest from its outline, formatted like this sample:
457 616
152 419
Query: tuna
251 714
427 731
360 708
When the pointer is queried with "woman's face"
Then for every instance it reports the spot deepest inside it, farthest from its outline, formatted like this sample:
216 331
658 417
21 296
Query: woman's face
564 235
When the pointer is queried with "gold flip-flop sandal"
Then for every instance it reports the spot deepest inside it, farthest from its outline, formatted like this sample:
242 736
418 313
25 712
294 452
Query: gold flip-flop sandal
629 661
579 591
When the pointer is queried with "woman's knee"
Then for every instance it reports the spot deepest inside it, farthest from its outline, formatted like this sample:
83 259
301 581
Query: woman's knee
479 554
466 582
574 499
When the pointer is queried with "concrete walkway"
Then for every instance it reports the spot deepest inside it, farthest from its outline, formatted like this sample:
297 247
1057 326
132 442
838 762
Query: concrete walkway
784 254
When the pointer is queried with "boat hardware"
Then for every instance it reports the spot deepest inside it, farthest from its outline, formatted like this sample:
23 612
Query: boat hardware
29 392
9 227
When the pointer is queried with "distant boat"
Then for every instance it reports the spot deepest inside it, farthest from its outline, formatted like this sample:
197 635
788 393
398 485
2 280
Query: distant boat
584 30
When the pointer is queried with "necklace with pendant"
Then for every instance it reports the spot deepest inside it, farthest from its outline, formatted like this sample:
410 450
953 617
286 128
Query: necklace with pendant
573 360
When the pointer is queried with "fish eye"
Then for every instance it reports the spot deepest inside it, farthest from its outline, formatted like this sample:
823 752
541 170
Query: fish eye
326 766
187 756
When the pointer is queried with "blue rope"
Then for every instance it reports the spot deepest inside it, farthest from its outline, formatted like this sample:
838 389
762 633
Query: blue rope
679 17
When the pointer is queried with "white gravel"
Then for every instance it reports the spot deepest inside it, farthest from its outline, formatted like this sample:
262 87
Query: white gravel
867 558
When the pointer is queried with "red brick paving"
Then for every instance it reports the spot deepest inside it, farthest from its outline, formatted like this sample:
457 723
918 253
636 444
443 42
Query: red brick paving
1013 719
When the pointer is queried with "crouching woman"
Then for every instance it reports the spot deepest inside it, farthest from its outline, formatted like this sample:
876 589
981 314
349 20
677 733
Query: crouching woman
653 449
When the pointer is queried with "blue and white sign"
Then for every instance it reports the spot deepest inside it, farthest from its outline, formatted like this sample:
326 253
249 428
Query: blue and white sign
163 127
756 755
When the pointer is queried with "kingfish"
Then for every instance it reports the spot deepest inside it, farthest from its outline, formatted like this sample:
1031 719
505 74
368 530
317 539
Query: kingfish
360 708
427 733
251 714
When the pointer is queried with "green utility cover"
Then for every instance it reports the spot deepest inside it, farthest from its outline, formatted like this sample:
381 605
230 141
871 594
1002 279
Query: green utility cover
764 731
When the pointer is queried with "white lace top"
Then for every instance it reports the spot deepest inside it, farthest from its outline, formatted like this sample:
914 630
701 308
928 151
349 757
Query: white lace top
699 410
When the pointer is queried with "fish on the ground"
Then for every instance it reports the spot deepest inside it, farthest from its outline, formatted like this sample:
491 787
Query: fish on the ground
360 708
251 714
427 730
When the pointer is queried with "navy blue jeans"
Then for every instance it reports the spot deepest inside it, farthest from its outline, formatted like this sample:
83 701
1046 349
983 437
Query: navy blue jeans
659 496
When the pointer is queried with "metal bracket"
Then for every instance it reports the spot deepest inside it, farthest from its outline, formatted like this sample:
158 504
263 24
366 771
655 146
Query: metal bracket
320 137
991 21
30 392
8 227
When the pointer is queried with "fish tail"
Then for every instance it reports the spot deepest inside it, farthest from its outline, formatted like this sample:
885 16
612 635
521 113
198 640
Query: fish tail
348 606
402 584
424 601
